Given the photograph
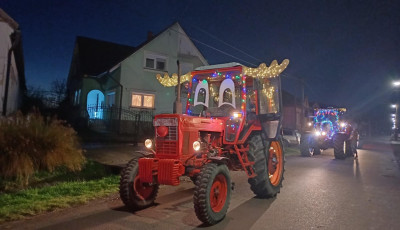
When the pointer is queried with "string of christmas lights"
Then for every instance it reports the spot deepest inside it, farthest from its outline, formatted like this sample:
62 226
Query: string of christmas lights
168 81
263 71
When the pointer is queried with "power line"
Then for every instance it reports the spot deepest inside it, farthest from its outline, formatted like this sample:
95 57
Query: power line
209 46
237 49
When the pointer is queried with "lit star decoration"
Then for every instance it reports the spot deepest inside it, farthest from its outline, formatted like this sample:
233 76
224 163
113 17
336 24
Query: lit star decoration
168 81
263 71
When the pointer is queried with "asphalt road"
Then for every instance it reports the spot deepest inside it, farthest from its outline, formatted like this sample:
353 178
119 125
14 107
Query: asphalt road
318 193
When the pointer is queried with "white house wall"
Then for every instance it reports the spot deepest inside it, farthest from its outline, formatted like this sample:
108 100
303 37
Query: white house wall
135 78
13 89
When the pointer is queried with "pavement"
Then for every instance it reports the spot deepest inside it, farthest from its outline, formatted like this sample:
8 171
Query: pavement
115 155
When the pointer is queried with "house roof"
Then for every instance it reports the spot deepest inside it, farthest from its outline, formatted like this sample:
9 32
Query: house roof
149 39
4 17
96 56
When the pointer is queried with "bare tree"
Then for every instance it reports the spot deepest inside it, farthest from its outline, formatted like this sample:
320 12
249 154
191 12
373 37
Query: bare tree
59 89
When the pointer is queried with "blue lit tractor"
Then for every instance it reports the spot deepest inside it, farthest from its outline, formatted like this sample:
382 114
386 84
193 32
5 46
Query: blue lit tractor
328 130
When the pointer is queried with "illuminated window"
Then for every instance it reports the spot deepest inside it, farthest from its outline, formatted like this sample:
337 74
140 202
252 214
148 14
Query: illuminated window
142 100
148 101
136 100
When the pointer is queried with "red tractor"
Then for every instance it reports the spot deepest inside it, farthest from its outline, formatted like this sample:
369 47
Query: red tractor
232 122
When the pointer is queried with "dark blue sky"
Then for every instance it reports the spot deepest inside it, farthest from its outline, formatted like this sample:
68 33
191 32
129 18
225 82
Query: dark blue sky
347 51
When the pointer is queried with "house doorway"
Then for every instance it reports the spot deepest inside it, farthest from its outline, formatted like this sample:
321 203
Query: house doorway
94 104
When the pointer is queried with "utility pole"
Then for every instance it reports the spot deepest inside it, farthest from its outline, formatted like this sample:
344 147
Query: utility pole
302 104
178 103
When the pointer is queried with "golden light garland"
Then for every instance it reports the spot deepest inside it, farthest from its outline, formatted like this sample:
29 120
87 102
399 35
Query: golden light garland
264 71
168 81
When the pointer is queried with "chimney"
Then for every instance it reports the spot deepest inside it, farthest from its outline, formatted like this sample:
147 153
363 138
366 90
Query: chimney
149 35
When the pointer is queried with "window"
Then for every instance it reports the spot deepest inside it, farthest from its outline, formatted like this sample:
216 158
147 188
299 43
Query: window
136 100
160 64
77 97
143 100
155 61
150 63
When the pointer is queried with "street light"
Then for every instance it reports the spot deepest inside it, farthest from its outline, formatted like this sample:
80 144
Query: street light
394 119
396 83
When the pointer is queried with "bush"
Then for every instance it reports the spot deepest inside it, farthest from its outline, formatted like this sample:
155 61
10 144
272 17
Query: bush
31 143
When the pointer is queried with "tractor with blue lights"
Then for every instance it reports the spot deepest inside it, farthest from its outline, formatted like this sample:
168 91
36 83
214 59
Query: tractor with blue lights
232 122
328 130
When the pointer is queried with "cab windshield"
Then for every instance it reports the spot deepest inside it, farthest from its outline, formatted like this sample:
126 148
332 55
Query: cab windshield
216 94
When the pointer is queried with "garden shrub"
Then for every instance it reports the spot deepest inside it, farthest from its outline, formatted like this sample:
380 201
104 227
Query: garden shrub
32 143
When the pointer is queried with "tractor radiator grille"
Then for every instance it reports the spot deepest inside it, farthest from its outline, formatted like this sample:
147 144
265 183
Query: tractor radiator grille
168 144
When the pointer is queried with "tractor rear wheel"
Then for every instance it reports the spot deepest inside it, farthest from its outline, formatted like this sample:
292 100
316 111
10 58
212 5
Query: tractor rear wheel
133 193
212 193
269 165
339 146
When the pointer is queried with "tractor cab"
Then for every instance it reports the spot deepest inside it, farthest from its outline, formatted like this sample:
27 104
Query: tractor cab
227 93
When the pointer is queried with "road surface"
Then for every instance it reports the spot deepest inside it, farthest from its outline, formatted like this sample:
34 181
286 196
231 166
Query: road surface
318 193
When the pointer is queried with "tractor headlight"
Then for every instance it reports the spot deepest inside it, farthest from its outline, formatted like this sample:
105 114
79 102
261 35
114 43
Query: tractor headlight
342 124
309 123
323 133
148 143
317 133
237 114
196 145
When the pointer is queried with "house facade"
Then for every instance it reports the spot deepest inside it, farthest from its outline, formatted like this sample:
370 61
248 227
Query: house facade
12 74
293 116
107 75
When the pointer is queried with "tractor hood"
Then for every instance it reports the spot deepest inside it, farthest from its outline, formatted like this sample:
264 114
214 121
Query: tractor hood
175 133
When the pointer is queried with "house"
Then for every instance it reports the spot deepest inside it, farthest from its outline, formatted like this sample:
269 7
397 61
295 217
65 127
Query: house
113 81
12 74
293 117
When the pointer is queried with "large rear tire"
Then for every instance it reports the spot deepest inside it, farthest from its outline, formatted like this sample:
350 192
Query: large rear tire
212 193
133 193
268 165
339 146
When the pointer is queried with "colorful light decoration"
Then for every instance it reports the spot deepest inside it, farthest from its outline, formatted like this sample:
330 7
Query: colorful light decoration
328 117
168 81
263 71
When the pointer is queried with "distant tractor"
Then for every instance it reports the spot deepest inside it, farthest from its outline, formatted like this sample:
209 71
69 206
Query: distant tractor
232 122
328 130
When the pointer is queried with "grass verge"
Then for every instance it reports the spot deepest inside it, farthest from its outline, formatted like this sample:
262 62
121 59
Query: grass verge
58 190
292 150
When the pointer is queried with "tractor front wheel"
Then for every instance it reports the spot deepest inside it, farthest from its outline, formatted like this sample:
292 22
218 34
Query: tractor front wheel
306 147
268 165
135 194
212 193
